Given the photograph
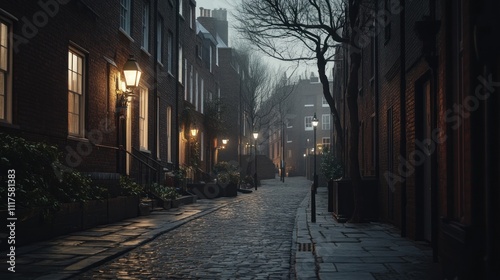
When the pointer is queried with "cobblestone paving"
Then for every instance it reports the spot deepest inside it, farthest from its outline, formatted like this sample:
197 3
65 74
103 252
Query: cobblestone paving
247 240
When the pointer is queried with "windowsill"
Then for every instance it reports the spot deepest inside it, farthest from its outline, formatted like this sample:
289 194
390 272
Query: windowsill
126 35
170 74
143 150
145 51
159 63
78 138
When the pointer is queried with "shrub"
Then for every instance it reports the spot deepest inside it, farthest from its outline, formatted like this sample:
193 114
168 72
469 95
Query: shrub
40 178
128 187
331 166
227 172
164 192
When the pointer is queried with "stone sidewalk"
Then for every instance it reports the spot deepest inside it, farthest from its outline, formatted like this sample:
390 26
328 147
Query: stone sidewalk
69 255
331 250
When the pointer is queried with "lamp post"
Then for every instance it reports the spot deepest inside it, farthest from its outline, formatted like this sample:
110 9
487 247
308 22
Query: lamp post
315 177
255 136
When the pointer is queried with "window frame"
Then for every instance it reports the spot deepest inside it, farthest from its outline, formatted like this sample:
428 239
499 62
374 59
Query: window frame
308 120
82 96
126 16
6 116
143 115
323 122
146 18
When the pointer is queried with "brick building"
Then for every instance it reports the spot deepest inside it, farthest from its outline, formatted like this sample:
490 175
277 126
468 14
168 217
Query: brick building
62 67
427 128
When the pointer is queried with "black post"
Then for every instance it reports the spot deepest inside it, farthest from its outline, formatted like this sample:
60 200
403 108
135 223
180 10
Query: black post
255 174
315 181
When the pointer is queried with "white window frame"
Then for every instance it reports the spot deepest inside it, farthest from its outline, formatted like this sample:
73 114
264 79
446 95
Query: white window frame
191 16
325 141
325 122
179 70
185 79
145 26
202 96
324 103
143 118
308 123
76 89
217 56
181 8
210 60
125 16
6 39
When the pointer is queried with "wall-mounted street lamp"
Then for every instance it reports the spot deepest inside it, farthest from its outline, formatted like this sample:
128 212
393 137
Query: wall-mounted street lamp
315 176
194 131
255 136
132 73
224 141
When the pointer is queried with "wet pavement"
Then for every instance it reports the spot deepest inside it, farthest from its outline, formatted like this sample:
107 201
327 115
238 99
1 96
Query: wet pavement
266 234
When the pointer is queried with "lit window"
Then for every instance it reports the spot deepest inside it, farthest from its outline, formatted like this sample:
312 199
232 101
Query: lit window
326 142
325 121
5 73
76 96
143 119
125 15
145 26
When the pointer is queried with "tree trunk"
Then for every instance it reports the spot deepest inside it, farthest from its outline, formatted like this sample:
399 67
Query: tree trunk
353 161
321 62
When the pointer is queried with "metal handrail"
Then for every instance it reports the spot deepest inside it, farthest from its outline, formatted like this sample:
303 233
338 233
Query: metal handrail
121 148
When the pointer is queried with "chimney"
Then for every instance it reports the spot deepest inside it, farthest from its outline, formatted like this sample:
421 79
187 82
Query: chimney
204 12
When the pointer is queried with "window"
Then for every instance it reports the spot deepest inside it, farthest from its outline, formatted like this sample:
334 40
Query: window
169 134
217 56
191 85
308 105
324 103
326 142
185 79
179 73
202 96
145 26
170 53
125 16
181 8
158 127
159 40
76 93
5 72
325 122
196 92
143 119
289 153
308 123
210 60
191 16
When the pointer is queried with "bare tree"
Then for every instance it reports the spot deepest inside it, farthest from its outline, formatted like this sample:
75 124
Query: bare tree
312 30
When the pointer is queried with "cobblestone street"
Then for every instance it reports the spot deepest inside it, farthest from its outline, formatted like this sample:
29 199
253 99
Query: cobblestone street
249 239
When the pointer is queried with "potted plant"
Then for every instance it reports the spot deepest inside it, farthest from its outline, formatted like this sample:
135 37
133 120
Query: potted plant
165 193
228 178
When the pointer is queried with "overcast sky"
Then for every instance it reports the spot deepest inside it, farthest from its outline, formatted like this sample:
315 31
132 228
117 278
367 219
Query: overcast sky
233 36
